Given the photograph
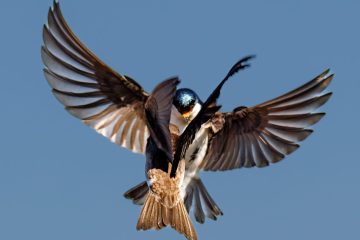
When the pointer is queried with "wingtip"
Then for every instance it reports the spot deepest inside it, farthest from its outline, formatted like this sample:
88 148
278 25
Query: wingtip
327 73
330 77
56 6
45 31
174 80
251 56
319 116
45 27
50 11
241 64
328 95
56 3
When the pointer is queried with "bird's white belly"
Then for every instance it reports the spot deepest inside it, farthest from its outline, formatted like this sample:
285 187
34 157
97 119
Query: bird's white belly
194 157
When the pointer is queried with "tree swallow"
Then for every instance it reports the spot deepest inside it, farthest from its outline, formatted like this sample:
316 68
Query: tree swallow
114 105
163 205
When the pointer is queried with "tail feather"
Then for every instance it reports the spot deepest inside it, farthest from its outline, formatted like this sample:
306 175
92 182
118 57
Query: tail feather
213 209
149 217
196 196
155 215
165 215
138 193
188 200
204 205
198 210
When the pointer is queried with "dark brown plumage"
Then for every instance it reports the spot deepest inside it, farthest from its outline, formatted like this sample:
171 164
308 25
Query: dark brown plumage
266 133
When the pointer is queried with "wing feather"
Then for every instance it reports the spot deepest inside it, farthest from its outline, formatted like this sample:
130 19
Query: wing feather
105 100
266 133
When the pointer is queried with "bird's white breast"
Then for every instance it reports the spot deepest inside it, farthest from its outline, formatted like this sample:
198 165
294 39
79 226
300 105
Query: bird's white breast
197 149
194 156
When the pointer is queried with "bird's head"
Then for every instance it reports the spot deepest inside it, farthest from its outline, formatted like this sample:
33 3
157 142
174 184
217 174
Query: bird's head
187 103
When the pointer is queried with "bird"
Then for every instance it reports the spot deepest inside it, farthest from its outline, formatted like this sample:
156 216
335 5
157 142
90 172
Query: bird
163 205
165 156
114 105
109 102
194 113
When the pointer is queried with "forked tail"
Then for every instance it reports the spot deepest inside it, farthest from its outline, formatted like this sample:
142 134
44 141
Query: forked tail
201 202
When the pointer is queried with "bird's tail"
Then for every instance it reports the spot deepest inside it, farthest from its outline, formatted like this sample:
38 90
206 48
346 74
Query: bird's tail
203 203
196 196
164 207
155 215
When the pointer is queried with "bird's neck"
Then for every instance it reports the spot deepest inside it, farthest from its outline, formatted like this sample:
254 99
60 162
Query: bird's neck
178 120
195 111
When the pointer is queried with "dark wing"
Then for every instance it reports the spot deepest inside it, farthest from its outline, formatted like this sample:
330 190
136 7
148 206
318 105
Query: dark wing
90 90
158 112
266 133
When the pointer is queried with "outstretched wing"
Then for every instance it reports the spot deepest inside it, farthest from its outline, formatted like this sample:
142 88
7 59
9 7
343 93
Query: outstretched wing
90 90
266 133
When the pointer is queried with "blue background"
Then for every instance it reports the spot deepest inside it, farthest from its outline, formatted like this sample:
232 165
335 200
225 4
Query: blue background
61 180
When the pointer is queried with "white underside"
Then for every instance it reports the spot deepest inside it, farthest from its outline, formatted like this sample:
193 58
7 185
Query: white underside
192 164
201 142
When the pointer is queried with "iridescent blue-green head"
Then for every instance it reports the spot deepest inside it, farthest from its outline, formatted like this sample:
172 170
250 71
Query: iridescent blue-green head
187 103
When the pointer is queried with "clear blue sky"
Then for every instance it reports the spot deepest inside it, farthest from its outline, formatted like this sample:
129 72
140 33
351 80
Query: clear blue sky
61 180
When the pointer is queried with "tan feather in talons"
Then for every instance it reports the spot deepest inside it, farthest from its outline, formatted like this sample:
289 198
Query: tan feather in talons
164 205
